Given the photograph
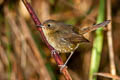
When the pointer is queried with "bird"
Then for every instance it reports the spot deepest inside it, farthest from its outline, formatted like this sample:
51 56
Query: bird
65 38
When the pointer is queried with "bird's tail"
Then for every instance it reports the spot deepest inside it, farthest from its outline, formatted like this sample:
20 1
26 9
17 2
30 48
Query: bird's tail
94 27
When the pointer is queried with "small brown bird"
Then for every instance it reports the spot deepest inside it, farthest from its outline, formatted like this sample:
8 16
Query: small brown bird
64 38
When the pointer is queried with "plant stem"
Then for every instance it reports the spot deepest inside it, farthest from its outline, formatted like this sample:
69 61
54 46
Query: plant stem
98 43
110 40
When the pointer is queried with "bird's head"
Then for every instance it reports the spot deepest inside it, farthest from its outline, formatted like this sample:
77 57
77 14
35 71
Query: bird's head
50 26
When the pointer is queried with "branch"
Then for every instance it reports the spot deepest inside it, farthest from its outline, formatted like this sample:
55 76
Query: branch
110 41
55 56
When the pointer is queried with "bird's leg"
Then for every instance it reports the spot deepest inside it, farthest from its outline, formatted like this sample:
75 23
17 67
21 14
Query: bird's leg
64 65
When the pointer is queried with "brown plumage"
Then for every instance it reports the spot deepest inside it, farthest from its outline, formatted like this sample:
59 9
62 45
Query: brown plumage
63 38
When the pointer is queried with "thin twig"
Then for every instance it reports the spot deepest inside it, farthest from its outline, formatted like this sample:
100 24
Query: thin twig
107 75
55 56
110 41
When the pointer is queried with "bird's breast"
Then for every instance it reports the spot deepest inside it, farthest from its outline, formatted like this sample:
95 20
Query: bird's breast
60 44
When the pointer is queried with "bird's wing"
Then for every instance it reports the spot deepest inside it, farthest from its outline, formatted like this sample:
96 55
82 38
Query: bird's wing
69 34
75 38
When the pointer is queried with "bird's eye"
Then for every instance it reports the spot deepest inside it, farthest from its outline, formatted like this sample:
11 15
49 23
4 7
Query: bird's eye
48 25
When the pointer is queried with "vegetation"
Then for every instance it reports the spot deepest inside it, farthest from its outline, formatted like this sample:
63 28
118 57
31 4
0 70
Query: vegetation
24 56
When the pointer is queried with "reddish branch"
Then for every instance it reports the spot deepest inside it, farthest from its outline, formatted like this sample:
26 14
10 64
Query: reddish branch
55 56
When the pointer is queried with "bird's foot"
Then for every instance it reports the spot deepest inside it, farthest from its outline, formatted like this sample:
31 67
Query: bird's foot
54 52
62 67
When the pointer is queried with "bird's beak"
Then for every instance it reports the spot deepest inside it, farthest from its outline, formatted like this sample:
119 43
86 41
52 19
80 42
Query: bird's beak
41 26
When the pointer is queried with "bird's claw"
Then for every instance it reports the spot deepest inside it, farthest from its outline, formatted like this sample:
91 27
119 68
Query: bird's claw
62 67
53 52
